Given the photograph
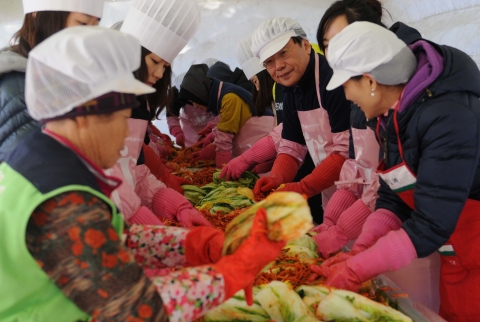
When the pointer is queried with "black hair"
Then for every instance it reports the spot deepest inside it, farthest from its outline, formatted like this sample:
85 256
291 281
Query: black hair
263 98
163 95
353 10
298 40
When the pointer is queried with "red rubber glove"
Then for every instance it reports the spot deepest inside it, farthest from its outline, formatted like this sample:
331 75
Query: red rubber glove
240 268
321 178
204 245
161 172
177 132
167 203
207 153
206 130
263 150
284 170
348 227
206 141
263 167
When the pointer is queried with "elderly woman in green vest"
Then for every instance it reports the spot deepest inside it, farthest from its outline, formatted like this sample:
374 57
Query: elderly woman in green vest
65 253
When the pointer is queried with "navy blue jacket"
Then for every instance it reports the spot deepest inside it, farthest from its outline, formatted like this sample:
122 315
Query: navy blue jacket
303 97
15 122
213 102
440 135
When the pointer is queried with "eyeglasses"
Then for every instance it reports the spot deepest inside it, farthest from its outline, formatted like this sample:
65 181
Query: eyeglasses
281 56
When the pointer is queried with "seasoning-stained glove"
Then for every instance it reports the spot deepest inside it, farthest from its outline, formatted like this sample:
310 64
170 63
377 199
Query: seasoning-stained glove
177 132
338 203
204 245
284 170
348 227
222 158
160 171
206 141
240 268
391 252
321 178
263 150
167 203
206 130
207 153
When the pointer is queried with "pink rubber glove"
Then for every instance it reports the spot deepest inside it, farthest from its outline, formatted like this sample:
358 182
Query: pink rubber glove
167 203
144 216
377 225
391 252
348 227
177 132
206 141
234 169
338 203
222 158
207 153
263 150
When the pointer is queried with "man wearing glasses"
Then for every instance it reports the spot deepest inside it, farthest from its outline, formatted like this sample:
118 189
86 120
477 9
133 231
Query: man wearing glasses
314 119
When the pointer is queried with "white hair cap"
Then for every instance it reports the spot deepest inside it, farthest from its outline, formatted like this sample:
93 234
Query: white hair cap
78 64
365 47
163 26
273 34
88 7
250 64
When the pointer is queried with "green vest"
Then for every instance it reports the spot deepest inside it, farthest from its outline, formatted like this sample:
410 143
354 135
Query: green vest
26 292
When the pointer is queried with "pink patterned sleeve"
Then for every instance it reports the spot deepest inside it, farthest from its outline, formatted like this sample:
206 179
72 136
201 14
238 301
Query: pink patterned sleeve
189 293
155 247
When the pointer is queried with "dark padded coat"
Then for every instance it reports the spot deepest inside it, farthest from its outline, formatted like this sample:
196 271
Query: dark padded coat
15 122
440 134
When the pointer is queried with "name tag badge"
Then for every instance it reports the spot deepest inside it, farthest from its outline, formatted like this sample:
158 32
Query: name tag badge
399 179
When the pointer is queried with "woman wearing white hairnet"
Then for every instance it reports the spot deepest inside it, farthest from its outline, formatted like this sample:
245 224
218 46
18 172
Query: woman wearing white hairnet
422 101
42 19
61 246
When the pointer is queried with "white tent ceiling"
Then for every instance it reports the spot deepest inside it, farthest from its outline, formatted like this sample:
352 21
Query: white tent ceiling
452 22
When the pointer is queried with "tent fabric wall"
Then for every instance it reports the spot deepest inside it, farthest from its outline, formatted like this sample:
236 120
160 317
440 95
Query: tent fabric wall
452 22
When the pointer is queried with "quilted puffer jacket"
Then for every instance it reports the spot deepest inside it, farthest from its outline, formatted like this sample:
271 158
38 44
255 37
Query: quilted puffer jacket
15 122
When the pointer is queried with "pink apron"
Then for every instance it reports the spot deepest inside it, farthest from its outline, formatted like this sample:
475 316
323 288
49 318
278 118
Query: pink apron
138 184
253 130
192 121
359 176
460 263
318 133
